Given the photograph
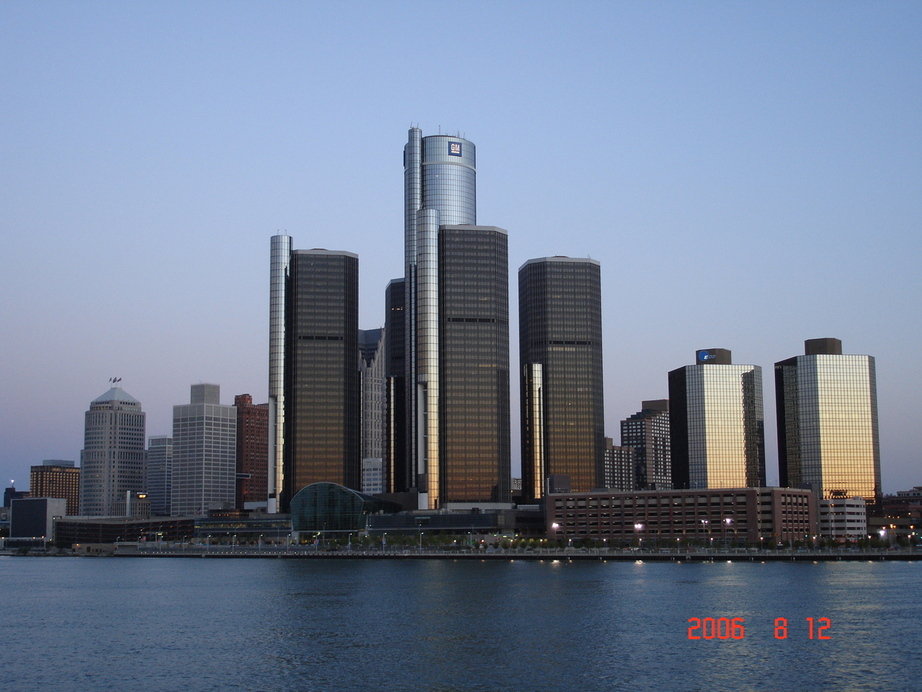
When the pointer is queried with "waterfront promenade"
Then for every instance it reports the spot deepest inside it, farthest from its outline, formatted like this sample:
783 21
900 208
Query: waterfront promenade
197 550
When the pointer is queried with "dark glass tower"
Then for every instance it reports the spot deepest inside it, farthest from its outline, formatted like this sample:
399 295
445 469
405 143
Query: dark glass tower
322 420
399 471
473 364
560 346
716 421
827 422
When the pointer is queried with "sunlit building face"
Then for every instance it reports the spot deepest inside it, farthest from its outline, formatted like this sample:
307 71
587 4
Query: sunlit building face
717 424
827 422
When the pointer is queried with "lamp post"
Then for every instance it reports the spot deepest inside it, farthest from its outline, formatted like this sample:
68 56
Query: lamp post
704 528
727 523
639 528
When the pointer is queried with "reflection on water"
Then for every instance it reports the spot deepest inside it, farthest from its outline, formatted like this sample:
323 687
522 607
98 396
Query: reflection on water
440 625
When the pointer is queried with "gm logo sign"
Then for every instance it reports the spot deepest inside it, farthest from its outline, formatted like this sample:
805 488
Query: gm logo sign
706 355
454 148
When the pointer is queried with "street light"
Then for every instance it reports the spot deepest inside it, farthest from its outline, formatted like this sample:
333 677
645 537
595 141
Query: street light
638 528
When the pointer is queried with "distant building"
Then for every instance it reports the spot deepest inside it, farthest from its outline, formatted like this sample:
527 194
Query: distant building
34 517
57 478
647 431
400 471
204 453
843 519
132 505
827 422
372 362
10 494
618 467
160 474
716 423
252 452
372 476
560 347
673 518
113 456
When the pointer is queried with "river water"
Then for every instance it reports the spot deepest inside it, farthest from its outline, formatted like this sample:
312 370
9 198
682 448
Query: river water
235 624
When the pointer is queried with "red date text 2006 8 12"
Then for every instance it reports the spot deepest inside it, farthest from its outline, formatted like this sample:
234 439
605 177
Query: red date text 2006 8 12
735 628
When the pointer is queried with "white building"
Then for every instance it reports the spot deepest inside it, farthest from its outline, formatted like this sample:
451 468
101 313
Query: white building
843 518
204 453
112 459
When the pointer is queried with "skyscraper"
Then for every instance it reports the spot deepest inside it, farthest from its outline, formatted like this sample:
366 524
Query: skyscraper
112 460
619 467
716 421
647 431
252 452
474 365
439 189
560 346
57 478
372 357
204 453
159 474
372 362
280 258
322 403
440 200
399 471
827 422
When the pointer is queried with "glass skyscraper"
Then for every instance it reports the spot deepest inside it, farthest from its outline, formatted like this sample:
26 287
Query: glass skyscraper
474 359
560 347
440 194
827 422
399 472
717 424
322 391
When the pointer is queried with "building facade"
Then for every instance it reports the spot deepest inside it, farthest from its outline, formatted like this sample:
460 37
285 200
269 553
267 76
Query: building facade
159 474
473 284
279 260
252 452
673 519
372 361
716 423
560 356
843 518
57 478
204 453
619 467
439 189
400 469
827 422
647 432
322 397
112 459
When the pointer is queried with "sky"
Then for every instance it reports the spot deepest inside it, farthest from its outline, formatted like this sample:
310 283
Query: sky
749 175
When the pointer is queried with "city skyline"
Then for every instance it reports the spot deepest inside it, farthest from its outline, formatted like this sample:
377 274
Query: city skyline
743 179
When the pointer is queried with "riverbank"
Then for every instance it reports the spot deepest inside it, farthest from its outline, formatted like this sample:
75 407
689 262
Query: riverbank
292 552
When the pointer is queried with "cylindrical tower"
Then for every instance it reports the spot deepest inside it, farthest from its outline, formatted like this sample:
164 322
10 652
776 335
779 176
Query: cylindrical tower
439 189
280 256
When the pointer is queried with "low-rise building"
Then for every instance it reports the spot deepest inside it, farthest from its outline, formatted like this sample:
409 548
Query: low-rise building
700 516
843 518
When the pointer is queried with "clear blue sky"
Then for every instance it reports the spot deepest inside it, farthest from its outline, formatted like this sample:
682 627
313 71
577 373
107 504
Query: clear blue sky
749 175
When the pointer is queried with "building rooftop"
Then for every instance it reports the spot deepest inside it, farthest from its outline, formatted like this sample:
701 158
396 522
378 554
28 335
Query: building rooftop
115 394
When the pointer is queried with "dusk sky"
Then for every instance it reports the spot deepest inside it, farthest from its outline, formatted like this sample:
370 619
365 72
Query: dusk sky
749 175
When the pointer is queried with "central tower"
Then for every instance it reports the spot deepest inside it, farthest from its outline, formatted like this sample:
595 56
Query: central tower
440 189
